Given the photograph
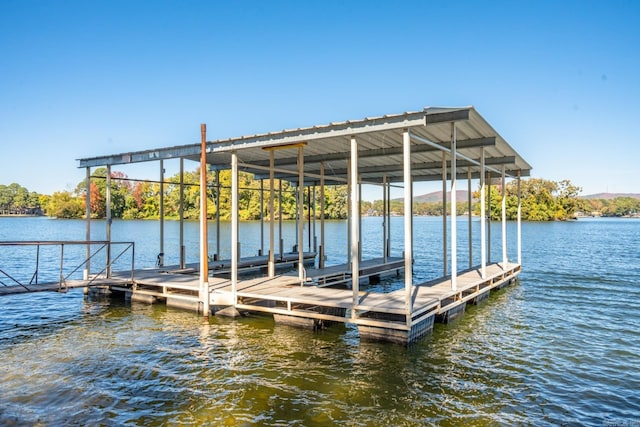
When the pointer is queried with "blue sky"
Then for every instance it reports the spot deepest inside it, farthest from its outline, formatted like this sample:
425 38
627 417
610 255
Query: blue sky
560 81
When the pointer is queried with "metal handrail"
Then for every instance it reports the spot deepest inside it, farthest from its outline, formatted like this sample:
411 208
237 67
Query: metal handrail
103 244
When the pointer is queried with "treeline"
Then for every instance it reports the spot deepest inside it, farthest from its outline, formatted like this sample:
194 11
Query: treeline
618 207
17 200
131 199
542 200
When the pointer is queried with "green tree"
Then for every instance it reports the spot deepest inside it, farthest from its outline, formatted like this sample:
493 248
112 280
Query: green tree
62 204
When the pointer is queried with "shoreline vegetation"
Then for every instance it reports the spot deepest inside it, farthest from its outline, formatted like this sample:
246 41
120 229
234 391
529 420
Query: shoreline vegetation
542 200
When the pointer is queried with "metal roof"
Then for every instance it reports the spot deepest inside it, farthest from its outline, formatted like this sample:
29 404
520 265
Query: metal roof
379 148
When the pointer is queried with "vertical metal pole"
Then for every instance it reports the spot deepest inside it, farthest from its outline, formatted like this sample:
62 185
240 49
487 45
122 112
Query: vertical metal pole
454 213
349 213
322 208
315 235
300 213
388 219
161 255
204 235
261 217
384 218
483 218
271 265
355 228
297 215
61 277
359 216
181 213
87 203
519 223
280 218
489 213
504 220
309 217
445 267
408 230
109 220
470 236
218 189
234 227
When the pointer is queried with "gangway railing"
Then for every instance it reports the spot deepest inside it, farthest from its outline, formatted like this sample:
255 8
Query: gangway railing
64 273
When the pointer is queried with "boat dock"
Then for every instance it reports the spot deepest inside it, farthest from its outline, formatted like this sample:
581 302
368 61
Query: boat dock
377 315
390 152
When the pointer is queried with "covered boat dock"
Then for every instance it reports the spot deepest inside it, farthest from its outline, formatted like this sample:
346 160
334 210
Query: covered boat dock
435 144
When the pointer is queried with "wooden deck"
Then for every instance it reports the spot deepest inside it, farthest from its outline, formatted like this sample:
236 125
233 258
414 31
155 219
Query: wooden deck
319 300
284 295
218 267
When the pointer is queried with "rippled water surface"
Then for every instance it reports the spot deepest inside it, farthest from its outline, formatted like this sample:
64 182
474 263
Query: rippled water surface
560 347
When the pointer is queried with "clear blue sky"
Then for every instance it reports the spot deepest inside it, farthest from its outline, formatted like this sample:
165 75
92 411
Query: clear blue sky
559 80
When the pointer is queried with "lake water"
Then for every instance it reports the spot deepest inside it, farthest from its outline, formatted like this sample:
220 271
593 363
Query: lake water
560 347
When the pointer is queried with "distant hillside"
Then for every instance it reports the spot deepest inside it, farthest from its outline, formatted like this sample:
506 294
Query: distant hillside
611 196
436 197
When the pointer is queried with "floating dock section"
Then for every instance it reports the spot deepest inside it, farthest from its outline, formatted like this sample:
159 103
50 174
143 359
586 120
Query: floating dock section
391 151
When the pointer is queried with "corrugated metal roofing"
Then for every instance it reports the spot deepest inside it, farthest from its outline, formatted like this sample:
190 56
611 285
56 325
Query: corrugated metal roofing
379 148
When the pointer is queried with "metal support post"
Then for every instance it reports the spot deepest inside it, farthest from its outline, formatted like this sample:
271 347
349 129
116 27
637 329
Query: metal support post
315 235
300 209
454 214
87 205
322 208
384 218
349 213
504 219
389 219
108 220
489 213
280 218
234 227
359 216
354 231
483 218
445 266
261 217
408 231
470 224
271 265
218 188
181 213
519 223
161 253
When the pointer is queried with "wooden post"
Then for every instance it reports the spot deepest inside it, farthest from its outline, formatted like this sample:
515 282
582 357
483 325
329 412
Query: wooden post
204 235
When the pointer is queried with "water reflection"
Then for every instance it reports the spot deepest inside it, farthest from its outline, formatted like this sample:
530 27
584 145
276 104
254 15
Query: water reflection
562 347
